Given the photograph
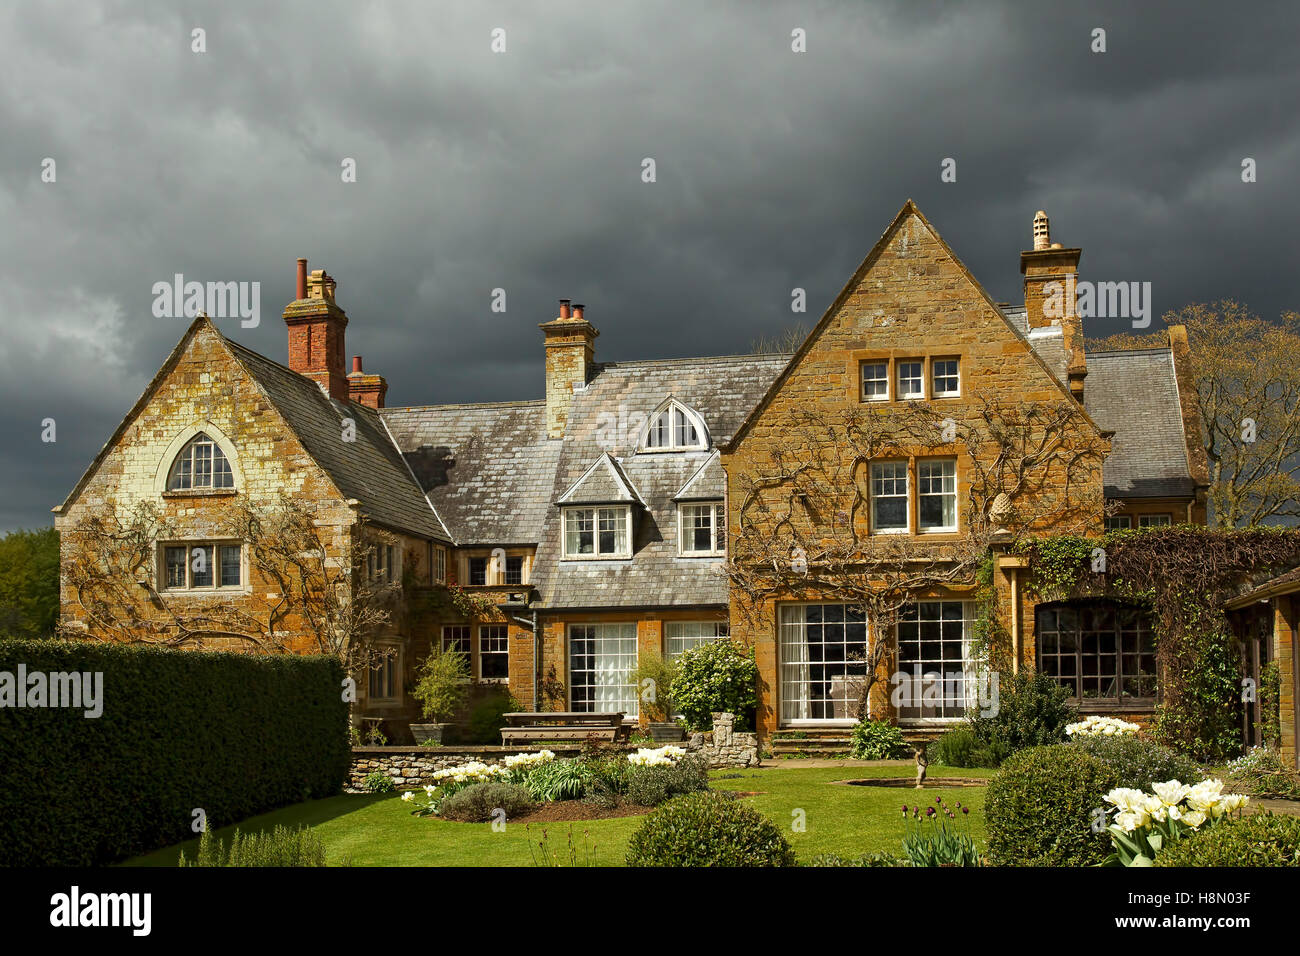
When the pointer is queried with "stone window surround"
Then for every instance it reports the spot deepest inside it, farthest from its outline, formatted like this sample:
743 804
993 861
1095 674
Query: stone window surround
596 555
913 494
496 571
394 645
160 558
857 358
181 439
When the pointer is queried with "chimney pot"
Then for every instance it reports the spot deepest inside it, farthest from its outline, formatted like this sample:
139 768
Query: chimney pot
577 310
356 363
564 308
1042 231
302 279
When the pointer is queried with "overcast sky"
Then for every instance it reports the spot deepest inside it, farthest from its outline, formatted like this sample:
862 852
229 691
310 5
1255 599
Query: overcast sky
522 170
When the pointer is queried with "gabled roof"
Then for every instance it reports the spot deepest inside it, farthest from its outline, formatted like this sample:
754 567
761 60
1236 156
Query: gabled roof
1134 393
909 209
721 390
707 484
604 482
369 469
488 469
1286 583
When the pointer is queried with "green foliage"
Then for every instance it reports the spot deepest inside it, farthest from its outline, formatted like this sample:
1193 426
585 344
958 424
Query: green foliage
1265 773
1138 763
485 717
1256 839
708 829
877 740
377 782
656 697
652 785
1270 702
558 780
281 847
1199 714
1041 805
939 837
960 747
716 676
235 734
479 802
1031 712
440 683
869 859
29 583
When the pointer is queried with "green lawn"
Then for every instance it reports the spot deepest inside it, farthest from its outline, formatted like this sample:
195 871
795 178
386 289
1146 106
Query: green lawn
849 820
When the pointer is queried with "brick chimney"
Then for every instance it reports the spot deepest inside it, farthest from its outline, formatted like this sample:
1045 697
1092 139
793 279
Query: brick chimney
570 353
1051 272
316 326
366 389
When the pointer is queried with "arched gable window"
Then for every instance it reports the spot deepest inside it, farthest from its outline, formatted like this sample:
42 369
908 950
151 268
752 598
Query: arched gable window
674 427
200 465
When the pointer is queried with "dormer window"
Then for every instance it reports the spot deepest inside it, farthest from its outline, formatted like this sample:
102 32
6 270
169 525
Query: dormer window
674 427
598 532
201 465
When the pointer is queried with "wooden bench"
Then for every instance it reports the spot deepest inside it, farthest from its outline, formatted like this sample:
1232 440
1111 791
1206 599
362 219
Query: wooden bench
563 725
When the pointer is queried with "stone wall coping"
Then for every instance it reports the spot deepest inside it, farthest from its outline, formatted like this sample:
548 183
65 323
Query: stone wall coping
470 750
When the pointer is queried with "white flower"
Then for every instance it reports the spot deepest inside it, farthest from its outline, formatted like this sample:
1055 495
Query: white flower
1171 792
1129 820
1193 818
408 796
1125 798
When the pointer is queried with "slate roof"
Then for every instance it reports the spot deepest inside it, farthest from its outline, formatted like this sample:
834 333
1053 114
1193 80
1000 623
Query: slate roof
605 482
369 469
488 469
708 482
722 390
1135 394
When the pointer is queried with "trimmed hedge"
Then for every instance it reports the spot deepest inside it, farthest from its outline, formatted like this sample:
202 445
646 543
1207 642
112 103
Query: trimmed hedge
1040 807
1257 839
708 829
232 734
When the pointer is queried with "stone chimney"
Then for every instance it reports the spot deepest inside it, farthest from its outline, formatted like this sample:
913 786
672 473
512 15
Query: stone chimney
316 328
366 389
570 353
1051 272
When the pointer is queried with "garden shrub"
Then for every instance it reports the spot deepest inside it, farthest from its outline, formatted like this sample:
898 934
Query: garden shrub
1138 763
716 676
869 859
280 847
377 782
877 740
478 803
708 829
959 747
1257 839
607 779
655 784
235 734
1031 712
1040 807
485 720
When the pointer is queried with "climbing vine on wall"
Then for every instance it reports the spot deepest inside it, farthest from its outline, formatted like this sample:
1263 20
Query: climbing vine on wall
1182 575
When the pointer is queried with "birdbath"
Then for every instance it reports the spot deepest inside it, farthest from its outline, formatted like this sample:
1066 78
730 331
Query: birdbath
921 761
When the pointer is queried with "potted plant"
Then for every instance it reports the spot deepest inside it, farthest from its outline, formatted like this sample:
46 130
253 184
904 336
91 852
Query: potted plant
654 680
440 688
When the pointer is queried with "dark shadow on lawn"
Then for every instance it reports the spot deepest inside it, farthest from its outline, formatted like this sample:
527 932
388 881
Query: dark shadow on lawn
310 814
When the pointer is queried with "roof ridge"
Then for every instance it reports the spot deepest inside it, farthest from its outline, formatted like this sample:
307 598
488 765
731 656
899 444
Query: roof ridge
1156 350
519 403
696 359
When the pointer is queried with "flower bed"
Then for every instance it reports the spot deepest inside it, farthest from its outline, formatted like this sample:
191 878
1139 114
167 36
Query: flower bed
1096 726
1146 823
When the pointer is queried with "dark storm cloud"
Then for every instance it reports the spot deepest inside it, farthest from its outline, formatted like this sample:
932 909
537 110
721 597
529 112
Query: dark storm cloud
522 171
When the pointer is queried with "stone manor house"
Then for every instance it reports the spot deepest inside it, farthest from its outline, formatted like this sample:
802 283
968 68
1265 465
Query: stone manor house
597 520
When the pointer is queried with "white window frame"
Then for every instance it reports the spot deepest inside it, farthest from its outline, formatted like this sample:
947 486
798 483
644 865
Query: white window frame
620 634
903 394
794 668
394 663
967 665
921 463
481 638
189 453
862 377
216 586
678 417
570 513
439 564
469 570
1166 521
1113 522
934 387
383 563
717 511
906 496
682 636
